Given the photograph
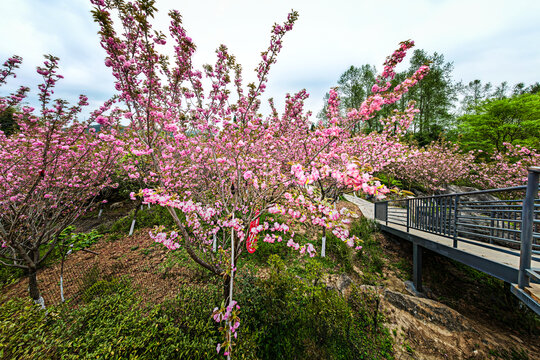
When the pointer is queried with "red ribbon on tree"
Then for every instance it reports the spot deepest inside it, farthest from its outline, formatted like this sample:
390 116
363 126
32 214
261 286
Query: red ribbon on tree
251 241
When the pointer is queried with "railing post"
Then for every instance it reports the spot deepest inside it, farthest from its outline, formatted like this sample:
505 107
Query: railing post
456 206
417 267
386 212
492 226
527 216
408 207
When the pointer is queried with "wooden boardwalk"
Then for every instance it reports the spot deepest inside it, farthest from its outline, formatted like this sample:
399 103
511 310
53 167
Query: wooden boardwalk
498 261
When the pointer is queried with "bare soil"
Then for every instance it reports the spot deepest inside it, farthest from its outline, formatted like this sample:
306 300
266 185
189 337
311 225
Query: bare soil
137 257
456 320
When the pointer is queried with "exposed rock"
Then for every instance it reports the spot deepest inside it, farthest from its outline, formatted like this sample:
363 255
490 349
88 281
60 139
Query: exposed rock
411 289
454 189
116 205
344 282
428 311
426 329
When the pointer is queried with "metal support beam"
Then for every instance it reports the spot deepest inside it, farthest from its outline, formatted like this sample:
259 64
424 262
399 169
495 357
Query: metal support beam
417 267
408 216
527 218
499 270
456 207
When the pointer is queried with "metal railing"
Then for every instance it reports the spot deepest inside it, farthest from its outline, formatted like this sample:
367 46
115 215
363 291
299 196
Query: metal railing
508 218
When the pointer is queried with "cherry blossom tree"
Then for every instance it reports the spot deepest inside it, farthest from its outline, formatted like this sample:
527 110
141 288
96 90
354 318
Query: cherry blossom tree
434 167
216 163
506 168
50 171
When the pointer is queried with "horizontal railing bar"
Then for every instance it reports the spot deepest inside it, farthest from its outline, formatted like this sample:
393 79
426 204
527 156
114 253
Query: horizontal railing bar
498 210
478 192
495 207
493 202
489 218
489 201
515 188
489 227
489 237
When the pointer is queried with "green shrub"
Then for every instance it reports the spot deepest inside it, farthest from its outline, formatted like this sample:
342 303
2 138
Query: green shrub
300 318
340 252
9 275
103 288
156 215
364 228
24 330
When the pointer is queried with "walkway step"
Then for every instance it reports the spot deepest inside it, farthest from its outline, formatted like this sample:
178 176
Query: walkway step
529 295
367 208
533 291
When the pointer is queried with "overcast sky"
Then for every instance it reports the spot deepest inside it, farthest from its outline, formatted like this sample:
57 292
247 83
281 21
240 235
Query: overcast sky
493 40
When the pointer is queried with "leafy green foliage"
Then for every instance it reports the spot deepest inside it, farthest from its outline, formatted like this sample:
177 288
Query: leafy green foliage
103 288
24 330
7 123
371 261
78 241
156 215
514 120
119 326
340 252
300 318
116 325
9 274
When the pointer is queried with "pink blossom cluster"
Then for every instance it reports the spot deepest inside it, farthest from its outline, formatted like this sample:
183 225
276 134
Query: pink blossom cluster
52 168
506 168
434 167
443 163
168 239
207 153
229 315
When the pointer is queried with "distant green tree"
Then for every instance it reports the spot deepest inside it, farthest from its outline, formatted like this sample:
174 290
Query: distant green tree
495 121
534 88
7 123
435 96
502 90
474 93
354 86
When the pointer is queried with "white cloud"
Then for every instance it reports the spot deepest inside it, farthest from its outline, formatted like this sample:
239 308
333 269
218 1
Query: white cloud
489 40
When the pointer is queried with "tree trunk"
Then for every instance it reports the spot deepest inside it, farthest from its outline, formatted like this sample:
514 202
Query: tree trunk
226 288
33 288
